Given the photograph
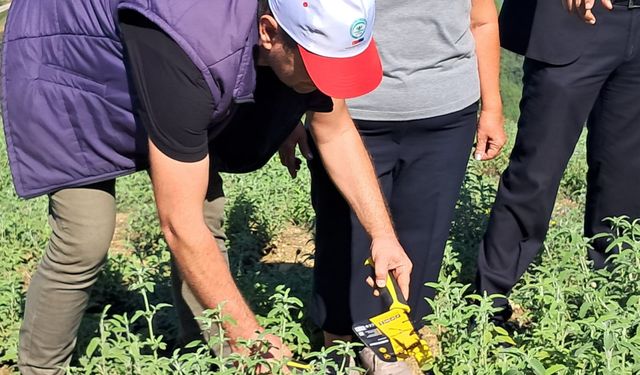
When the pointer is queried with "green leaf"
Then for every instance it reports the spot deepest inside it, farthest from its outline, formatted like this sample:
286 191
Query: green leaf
584 309
536 366
608 340
193 344
580 352
554 369
543 354
137 315
93 344
505 339
163 305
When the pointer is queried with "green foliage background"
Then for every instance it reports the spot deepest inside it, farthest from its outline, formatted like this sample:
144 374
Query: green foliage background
571 319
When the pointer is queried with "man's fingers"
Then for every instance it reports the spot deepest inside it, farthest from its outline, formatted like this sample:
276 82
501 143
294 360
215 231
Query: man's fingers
585 11
403 277
293 172
288 159
589 17
381 271
492 151
491 154
481 147
294 167
572 5
303 144
290 166
372 284
584 8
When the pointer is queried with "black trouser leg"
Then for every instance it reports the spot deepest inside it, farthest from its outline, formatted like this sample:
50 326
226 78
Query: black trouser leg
426 187
555 104
545 141
420 165
613 154
342 245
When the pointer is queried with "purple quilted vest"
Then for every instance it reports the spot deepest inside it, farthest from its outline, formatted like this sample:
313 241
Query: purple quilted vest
66 104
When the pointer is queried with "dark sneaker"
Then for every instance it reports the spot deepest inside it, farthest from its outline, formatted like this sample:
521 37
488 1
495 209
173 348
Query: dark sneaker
499 318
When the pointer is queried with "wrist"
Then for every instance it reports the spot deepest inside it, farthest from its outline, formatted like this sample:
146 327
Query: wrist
382 229
491 106
493 109
247 333
385 237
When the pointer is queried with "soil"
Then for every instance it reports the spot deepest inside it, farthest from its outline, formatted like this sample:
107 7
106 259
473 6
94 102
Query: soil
431 338
563 207
119 241
294 245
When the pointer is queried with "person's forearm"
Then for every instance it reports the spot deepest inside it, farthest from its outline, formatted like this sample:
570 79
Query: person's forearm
484 26
349 166
179 189
205 270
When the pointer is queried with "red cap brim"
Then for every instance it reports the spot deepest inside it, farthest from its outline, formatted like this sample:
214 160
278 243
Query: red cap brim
344 78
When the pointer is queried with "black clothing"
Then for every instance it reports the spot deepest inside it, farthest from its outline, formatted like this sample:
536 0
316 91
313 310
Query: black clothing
543 30
420 165
175 101
600 87
175 104
257 129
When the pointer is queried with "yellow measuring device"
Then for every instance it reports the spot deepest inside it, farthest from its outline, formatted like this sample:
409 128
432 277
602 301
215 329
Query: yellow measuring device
391 335
299 365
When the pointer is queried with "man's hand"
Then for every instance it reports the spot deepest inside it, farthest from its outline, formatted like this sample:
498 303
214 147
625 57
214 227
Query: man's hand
583 8
287 150
491 136
277 352
388 256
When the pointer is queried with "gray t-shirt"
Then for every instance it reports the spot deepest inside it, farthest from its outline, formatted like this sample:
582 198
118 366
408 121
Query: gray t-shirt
429 61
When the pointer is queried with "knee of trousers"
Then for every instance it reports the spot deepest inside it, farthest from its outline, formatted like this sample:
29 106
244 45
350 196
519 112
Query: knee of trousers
78 252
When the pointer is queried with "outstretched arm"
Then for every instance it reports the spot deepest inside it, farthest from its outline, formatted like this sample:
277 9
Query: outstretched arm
179 190
174 104
349 166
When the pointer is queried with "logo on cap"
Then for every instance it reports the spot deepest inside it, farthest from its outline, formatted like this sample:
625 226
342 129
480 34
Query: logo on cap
358 28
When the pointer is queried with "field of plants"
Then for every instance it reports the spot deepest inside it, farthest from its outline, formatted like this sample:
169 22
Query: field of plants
569 319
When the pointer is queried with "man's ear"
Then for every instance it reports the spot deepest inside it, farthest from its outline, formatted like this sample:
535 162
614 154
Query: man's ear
268 31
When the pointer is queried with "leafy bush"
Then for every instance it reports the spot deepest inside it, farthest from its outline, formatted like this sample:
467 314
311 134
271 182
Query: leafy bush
570 319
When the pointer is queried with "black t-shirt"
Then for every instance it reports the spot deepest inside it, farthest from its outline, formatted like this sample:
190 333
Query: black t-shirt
174 104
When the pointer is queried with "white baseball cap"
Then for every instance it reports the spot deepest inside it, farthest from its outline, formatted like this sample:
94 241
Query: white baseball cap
335 41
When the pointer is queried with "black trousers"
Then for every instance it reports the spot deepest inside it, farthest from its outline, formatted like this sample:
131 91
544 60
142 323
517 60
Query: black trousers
420 166
602 88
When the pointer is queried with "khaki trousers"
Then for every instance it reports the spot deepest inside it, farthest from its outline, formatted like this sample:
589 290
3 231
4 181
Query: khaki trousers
83 222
